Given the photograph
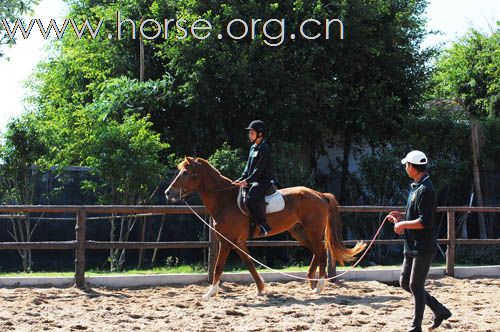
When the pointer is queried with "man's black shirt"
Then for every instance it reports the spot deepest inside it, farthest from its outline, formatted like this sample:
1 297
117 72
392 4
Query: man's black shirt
259 167
422 204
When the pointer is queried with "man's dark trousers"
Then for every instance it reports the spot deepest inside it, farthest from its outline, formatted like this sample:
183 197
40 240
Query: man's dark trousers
255 198
413 274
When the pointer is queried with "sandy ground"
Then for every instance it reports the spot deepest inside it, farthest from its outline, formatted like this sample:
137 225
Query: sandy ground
346 306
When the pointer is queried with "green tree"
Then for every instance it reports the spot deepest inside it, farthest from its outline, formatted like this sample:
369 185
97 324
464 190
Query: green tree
78 67
291 165
114 137
89 105
125 158
382 74
21 153
10 10
356 89
319 93
228 161
469 73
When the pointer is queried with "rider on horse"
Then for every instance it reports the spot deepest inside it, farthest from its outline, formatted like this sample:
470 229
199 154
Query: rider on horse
257 177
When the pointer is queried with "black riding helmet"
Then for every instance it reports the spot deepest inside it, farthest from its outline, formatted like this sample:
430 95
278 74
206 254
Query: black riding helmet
259 126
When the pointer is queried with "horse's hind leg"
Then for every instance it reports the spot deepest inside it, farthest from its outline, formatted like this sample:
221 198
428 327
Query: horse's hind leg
251 267
297 232
224 250
315 238
321 257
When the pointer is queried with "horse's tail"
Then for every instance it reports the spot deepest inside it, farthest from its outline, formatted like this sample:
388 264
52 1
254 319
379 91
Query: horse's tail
333 234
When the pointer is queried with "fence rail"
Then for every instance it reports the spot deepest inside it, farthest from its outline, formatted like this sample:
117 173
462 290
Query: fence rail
81 244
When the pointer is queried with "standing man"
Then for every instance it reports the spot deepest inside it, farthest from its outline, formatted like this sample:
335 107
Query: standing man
420 240
258 175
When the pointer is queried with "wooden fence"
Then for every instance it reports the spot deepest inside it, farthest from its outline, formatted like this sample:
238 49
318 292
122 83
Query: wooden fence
81 244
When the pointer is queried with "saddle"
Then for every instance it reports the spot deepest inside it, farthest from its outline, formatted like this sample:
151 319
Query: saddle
274 201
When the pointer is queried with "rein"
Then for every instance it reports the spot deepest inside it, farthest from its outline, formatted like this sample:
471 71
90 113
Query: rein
284 273
221 189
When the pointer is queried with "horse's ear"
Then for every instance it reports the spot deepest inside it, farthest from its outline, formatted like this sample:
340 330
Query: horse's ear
193 160
188 159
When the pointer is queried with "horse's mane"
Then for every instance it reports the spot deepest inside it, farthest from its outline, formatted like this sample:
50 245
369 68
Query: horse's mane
211 169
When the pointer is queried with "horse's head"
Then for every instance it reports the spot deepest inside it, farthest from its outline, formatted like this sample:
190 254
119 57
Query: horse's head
186 182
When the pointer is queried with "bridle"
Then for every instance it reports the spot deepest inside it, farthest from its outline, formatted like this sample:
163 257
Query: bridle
183 195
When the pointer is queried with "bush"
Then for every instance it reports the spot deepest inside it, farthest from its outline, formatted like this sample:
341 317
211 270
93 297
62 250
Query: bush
228 161
478 254
291 168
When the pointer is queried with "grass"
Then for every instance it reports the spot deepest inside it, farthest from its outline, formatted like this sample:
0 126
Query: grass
157 270
179 270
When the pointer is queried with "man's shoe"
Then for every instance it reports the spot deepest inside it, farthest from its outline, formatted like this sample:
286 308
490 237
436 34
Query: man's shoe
439 318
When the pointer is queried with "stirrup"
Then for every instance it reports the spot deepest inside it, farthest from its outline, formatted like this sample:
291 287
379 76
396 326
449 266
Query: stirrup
264 230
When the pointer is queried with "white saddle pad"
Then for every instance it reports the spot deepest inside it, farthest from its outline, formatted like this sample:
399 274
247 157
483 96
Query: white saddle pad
275 202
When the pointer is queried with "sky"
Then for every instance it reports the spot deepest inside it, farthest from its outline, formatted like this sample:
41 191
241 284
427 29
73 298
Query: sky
451 17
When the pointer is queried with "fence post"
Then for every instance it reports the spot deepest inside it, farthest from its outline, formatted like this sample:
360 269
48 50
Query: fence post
450 252
213 250
80 230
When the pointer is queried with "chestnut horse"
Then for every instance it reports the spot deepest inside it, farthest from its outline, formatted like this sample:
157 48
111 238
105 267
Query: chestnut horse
309 216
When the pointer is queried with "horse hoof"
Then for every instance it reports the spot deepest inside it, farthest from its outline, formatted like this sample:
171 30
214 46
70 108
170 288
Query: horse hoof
260 292
320 287
212 291
208 295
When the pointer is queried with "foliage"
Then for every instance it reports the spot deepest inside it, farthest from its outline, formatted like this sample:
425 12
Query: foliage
321 86
324 86
228 161
359 88
491 151
383 178
125 158
12 10
78 71
469 71
478 254
292 166
113 138
124 155
200 94
20 159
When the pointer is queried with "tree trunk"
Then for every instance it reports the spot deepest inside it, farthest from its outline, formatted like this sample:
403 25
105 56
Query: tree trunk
345 166
477 180
143 238
160 231
124 235
141 58
112 259
464 233
29 261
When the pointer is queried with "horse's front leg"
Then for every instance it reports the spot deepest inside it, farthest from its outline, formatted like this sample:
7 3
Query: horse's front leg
251 267
224 250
